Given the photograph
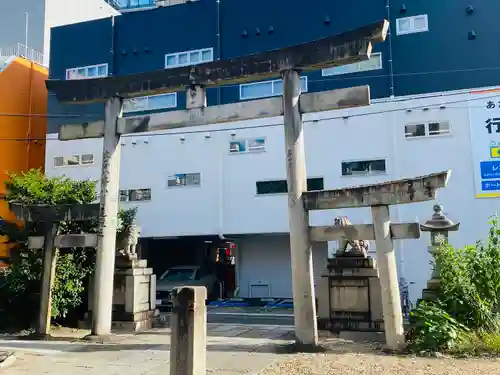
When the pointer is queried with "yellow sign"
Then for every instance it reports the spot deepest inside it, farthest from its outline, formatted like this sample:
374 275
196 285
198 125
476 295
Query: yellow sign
488 195
495 152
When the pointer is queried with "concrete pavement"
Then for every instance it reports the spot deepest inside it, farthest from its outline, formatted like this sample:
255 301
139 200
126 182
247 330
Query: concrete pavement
231 349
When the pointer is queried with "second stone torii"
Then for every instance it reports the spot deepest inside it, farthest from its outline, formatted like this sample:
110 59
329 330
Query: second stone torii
378 197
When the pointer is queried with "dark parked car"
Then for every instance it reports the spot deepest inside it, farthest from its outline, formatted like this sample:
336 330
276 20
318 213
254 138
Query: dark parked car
186 276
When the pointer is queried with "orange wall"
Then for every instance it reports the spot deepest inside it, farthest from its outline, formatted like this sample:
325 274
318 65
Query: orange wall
22 92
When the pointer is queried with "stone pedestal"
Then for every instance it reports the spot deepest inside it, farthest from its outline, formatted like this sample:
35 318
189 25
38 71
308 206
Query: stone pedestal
432 291
134 296
349 296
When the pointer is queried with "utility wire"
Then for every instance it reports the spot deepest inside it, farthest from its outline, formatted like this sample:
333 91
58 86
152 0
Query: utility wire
346 76
340 77
381 100
229 129
39 115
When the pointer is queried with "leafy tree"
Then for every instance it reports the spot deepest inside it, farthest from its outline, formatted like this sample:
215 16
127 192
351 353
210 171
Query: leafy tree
21 286
33 187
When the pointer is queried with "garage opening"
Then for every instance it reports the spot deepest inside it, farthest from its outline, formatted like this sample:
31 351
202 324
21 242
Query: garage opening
197 261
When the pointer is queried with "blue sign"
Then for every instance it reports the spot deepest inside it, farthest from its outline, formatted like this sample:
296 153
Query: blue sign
492 185
490 170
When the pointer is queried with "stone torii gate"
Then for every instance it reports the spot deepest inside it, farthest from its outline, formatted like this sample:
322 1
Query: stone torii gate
378 197
342 49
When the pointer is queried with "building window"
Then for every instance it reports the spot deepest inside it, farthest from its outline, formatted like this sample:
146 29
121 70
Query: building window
135 195
73 160
280 186
247 145
188 58
87 159
86 72
150 103
411 25
363 167
432 128
265 89
374 63
438 128
184 179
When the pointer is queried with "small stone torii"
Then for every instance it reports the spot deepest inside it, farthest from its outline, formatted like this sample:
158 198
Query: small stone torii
287 63
378 197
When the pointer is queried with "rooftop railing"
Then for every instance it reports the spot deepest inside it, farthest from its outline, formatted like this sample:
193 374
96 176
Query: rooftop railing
20 50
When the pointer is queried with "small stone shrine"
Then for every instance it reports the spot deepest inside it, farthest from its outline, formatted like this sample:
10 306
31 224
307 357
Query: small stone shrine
352 287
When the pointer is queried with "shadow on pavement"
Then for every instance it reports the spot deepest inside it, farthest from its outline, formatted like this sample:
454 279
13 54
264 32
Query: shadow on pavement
221 338
272 348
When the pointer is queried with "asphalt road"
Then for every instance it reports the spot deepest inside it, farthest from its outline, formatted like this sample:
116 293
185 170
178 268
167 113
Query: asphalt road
245 316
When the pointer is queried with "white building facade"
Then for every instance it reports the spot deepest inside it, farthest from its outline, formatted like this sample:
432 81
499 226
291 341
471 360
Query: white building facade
229 179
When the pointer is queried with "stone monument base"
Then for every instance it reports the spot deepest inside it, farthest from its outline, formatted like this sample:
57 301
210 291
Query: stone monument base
138 322
134 296
349 296
431 293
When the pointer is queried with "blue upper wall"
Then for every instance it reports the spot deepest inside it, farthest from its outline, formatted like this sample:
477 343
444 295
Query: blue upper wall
458 51
448 56
141 39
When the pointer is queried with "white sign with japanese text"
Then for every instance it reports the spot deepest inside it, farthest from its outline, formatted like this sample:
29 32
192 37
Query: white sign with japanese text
484 109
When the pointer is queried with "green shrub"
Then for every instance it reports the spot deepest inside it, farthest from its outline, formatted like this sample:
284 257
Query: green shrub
72 276
465 317
477 343
434 329
470 281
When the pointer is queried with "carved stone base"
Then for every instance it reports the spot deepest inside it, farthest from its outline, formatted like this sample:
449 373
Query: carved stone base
122 262
135 322
429 295
127 323
349 296
433 284
350 325
134 296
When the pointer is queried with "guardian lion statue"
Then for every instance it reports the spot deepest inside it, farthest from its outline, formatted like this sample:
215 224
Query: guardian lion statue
354 248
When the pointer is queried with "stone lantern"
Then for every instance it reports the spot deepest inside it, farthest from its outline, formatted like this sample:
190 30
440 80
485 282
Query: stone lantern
439 227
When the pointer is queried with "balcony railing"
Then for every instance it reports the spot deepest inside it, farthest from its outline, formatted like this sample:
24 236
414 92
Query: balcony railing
131 4
20 50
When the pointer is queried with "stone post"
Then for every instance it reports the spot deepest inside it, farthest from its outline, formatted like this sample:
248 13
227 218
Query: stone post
48 277
386 259
304 307
439 227
188 340
106 235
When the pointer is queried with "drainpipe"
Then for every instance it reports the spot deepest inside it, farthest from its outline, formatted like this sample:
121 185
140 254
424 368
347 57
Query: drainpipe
112 70
389 44
219 94
395 168
30 103
218 44
221 195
